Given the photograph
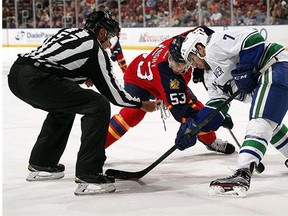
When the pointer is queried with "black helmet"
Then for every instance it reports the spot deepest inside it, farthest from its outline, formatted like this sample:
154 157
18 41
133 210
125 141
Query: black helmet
102 19
175 49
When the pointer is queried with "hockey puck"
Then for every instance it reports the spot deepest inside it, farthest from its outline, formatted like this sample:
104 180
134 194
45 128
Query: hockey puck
260 168
286 163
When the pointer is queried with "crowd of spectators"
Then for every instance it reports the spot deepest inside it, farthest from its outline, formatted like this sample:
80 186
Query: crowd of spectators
148 13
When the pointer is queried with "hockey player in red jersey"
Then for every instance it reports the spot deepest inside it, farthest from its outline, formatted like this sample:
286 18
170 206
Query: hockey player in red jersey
163 74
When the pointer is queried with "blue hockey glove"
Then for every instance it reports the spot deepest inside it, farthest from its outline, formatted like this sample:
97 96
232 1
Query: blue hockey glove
245 78
184 141
227 123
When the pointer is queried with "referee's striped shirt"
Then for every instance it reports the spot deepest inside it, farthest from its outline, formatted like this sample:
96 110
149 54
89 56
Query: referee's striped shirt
76 54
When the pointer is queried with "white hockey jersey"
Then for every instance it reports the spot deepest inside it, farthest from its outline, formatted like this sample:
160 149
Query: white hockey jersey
223 53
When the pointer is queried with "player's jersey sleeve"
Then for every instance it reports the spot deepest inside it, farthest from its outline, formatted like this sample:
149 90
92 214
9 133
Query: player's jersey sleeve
223 52
105 81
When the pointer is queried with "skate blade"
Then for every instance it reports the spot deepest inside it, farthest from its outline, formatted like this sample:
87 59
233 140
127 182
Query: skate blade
94 189
234 192
44 176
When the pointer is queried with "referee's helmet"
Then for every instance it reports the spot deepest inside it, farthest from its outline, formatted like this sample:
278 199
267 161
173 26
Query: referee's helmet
101 19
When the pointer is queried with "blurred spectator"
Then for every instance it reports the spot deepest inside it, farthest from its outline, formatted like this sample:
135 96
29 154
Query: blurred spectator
152 18
157 12
163 19
249 20
216 17
259 17
44 19
206 21
6 17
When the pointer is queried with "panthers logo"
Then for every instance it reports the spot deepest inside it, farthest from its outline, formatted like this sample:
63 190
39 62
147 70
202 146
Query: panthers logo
174 84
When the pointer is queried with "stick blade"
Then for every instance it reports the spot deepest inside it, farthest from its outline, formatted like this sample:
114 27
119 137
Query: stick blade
125 175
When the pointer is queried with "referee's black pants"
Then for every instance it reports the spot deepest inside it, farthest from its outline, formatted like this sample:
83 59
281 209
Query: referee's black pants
62 99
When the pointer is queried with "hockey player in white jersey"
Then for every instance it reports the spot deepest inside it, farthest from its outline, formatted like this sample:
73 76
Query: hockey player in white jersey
242 60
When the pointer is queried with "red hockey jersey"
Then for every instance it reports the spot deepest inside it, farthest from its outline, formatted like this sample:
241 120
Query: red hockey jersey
152 73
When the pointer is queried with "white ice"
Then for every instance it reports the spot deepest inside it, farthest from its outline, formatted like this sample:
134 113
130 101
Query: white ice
177 186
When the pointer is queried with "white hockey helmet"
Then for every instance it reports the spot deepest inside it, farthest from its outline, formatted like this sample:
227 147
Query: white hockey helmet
198 36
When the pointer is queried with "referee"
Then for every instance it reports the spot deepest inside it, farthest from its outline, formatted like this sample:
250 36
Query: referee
48 78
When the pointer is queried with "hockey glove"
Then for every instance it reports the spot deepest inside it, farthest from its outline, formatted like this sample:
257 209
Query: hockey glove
183 140
228 123
245 78
198 75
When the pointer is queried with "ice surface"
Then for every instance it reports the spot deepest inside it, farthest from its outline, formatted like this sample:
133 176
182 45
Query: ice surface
177 186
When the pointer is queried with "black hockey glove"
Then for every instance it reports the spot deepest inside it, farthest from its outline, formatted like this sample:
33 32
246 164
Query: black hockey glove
227 123
198 75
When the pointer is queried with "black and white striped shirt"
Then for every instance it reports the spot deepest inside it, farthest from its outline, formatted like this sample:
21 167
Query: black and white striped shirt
76 54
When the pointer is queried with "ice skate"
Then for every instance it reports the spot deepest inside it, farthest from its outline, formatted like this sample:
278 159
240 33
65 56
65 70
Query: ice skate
221 146
94 184
233 186
40 173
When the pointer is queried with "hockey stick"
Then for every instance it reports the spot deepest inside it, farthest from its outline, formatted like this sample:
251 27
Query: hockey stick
120 174
260 168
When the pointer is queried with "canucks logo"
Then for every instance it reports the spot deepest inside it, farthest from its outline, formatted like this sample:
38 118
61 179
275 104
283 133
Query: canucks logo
174 84
218 72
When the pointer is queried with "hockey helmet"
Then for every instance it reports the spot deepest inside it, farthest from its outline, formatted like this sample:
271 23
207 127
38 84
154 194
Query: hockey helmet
176 62
175 49
198 36
101 19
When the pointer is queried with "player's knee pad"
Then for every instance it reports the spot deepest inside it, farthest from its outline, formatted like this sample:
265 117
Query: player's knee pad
132 116
261 128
